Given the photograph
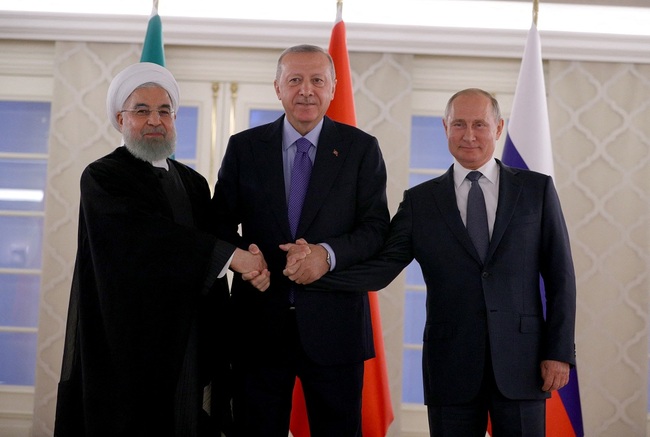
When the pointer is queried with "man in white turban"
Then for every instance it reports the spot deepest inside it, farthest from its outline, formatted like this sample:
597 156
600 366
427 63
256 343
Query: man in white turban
134 77
146 293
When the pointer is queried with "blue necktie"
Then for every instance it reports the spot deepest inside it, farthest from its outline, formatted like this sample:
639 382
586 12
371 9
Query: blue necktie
477 224
300 174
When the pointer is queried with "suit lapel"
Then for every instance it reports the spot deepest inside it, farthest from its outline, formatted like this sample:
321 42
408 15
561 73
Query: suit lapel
267 155
331 153
445 196
509 191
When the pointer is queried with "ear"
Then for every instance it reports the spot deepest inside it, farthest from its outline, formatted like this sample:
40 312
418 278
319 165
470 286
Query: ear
277 89
120 120
500 128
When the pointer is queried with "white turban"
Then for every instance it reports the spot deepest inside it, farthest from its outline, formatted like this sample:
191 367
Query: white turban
131 78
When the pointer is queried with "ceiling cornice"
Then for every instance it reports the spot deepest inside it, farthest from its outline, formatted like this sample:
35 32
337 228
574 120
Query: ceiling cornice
209 32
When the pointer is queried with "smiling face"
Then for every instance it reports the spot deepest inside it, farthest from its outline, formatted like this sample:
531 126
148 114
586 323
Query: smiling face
306 87
472 129
150 137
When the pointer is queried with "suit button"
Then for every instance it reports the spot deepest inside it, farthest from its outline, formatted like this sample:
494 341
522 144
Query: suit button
485 275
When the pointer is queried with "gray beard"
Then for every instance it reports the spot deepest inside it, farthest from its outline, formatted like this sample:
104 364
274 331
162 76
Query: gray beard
151 150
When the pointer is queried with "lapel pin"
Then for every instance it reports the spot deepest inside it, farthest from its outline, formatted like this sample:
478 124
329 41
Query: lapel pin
335 152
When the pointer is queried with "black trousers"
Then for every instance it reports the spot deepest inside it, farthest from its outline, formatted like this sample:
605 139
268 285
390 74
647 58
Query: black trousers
263 394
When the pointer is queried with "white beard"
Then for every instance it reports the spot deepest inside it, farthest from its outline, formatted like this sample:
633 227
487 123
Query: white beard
151 150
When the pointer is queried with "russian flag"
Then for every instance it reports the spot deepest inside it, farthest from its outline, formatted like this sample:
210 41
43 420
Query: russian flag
528 146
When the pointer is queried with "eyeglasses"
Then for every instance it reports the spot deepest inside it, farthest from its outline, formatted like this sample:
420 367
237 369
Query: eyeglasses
145 113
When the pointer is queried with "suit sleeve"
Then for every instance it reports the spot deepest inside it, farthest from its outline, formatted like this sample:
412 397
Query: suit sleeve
224 205
379 271
559 281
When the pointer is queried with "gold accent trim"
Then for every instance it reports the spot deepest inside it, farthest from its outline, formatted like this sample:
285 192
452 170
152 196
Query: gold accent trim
213 134
234 94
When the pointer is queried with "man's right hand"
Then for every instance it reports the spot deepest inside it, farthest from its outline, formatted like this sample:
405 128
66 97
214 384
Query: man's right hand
252 265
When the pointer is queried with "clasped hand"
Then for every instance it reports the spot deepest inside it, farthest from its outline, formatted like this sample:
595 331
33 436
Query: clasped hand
306 262
252 265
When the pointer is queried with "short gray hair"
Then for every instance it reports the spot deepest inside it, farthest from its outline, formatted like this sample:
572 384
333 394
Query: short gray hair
496 110
305 48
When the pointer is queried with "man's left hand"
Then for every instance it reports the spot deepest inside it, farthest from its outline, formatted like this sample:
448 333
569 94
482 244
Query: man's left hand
305 264
555 375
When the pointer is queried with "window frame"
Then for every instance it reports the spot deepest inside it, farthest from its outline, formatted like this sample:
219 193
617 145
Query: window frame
17 401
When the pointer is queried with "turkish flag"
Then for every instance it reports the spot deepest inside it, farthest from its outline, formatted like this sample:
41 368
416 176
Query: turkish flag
377 410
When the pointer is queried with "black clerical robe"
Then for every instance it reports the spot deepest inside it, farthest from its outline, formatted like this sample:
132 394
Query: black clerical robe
143 294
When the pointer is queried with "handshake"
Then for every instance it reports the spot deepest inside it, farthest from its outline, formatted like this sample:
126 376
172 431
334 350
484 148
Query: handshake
306 263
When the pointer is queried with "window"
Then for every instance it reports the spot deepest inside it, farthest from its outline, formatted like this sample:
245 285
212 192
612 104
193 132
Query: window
187 125
259 117
23 167
429 158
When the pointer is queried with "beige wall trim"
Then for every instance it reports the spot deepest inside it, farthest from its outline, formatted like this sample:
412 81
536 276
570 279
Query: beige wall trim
492 43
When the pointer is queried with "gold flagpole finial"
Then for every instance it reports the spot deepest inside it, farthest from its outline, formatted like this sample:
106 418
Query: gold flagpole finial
535 11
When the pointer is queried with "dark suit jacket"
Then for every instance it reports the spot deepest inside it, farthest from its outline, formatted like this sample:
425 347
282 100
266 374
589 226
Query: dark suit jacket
471 305
345 207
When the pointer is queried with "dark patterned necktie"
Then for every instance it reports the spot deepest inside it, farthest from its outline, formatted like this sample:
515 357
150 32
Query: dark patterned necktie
300 175
477 224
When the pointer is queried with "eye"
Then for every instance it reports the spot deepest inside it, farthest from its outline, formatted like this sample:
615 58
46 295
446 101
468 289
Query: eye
165 113
142 112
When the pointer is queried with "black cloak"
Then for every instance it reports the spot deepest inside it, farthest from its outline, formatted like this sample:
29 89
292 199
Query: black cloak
143 294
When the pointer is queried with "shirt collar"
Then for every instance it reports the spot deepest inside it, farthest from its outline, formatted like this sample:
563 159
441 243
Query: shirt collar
290 135
161 164
490 170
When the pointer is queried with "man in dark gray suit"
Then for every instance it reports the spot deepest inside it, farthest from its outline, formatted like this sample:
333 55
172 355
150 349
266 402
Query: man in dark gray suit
488 347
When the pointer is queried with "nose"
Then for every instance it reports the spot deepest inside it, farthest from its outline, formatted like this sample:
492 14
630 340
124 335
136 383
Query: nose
306 89
154 118
468 135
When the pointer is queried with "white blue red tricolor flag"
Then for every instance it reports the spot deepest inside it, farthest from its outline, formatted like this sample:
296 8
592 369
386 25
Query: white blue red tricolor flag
528 146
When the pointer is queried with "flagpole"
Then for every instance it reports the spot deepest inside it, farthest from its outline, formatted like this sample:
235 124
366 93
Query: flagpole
535 11
339 11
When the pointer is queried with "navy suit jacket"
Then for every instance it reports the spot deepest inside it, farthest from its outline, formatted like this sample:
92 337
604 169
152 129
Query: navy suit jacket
472 306
345 206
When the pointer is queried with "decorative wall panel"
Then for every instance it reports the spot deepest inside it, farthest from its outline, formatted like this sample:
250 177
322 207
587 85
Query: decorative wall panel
600 115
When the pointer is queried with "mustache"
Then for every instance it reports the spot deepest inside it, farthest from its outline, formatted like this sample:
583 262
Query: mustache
154 130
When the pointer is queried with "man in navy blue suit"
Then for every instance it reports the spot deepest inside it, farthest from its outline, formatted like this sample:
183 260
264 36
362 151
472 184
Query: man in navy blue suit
321 337
488 347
